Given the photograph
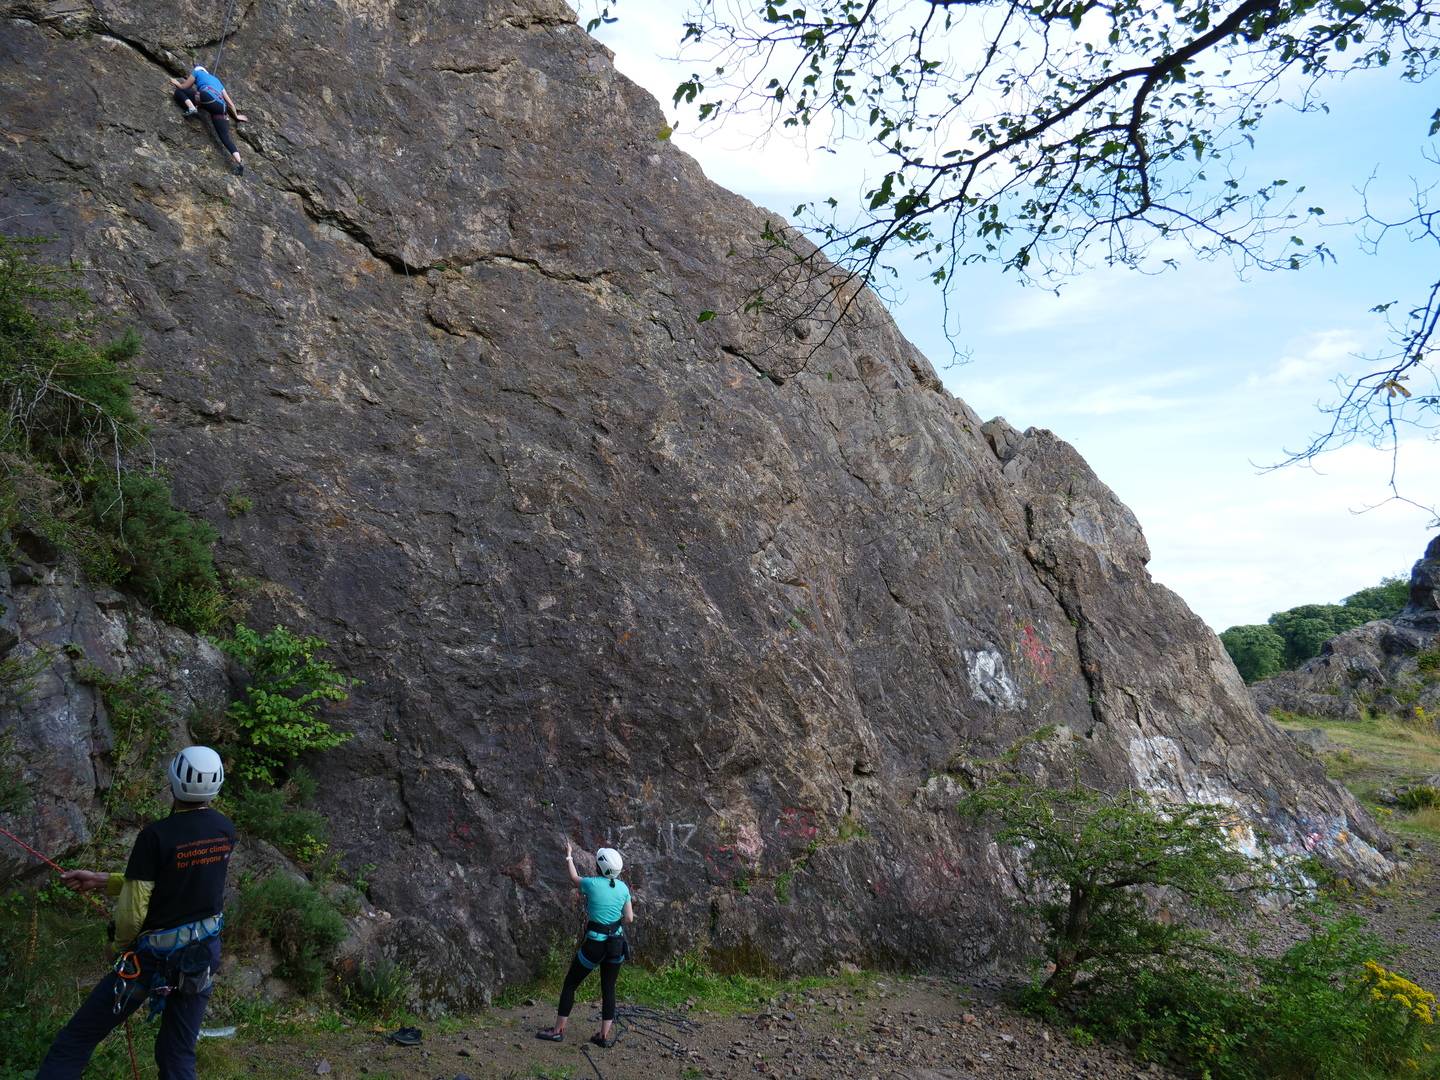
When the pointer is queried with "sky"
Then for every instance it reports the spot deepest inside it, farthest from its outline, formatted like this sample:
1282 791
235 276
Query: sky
1178 388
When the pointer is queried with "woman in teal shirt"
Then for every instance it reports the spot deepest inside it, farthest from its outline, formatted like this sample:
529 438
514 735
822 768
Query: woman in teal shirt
607 903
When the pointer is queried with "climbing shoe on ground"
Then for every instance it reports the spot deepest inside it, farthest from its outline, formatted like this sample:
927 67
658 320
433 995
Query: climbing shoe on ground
405 1036
239 169
601 1042
550 1035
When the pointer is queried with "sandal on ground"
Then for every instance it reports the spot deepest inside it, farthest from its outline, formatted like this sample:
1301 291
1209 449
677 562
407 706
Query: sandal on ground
550 1035
604 1044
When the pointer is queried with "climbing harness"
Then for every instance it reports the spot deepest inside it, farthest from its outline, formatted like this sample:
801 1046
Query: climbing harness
179 959
611 936
164 942
129 1031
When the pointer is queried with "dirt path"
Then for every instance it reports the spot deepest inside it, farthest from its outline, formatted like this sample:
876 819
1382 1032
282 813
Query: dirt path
917 1028
1407 915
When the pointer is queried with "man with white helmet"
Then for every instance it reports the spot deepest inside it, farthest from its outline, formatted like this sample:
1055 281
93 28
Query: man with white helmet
608 907
167 925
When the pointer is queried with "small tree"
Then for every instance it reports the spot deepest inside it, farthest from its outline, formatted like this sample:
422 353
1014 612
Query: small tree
1090 856
1308 627
1258 651
278 717
1383 601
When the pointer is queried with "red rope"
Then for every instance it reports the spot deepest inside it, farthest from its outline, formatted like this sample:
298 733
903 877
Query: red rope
56 866
130 1042
48 862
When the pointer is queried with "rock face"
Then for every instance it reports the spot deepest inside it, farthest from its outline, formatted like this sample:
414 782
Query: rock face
59 639
733 596
1386 666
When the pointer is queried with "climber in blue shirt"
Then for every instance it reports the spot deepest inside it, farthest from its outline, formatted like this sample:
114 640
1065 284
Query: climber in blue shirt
608 907
202 91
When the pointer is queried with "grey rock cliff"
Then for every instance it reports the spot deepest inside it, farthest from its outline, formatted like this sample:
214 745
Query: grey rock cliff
731 596
1375 668
60 636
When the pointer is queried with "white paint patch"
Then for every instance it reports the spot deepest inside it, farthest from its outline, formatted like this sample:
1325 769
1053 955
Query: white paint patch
989 680
748 843
1160 768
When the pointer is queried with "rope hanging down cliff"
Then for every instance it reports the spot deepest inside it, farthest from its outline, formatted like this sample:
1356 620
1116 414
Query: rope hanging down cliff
224 35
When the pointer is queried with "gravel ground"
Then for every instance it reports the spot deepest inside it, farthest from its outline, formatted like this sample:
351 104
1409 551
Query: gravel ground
915 1028
1407 915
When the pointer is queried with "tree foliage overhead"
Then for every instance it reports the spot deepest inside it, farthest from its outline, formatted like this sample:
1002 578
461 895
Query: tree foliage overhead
1052 135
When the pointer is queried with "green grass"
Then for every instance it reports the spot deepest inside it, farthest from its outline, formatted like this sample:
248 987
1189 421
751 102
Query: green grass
687 978
1384 743
1380 752
51 955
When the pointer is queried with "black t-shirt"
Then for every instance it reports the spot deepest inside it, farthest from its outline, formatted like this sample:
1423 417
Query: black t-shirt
186 856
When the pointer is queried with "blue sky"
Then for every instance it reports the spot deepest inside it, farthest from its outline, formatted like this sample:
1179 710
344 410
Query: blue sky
1174 386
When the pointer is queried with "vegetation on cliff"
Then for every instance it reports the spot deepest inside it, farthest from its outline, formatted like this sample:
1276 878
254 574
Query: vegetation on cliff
72 447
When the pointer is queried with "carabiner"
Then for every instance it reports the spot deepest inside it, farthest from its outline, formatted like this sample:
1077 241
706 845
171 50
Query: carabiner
127 966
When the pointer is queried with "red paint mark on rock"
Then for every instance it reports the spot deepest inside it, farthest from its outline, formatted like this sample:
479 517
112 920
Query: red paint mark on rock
798 823
1037 654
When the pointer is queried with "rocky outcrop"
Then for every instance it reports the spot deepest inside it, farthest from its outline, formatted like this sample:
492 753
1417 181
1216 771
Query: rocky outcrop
734 596
60 640
1389 666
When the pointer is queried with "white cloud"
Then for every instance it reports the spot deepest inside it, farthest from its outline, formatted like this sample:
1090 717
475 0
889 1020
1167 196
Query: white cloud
1263 543
1317 358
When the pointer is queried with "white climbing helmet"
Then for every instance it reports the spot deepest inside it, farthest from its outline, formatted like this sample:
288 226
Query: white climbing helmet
196 774
201 68
609 862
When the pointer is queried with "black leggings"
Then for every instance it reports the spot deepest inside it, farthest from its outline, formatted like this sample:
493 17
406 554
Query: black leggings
218 114
609 973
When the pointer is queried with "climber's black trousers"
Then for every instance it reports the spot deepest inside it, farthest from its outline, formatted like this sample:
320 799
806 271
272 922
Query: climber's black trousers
217 112
609 974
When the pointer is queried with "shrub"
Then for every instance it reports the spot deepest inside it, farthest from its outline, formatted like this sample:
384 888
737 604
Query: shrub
382 987
164 552
66 441
140 714
15 796
1324 1010
301 925
271 815
1090 855
1419 797
278 717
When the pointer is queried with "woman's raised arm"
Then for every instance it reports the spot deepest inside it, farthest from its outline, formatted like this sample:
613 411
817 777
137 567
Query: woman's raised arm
570 864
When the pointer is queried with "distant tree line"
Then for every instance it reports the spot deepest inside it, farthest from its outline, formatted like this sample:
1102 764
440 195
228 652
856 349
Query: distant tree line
1289 638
